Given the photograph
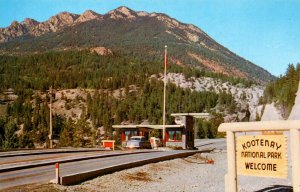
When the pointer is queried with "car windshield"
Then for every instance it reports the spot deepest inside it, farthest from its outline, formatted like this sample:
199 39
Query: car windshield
135 139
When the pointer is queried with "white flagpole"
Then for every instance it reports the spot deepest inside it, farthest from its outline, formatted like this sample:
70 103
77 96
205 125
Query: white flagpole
165 85
51 131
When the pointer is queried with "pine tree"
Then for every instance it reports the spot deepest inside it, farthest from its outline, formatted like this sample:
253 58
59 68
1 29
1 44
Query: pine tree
10 137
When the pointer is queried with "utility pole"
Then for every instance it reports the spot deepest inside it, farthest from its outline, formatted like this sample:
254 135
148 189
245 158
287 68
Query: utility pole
51 129
165 85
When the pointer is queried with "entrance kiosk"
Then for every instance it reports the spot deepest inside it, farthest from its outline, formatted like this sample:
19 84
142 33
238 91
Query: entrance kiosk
181 135
128 131
187 132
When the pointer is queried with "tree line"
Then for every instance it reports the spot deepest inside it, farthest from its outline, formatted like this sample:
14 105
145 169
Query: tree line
26 122
283 90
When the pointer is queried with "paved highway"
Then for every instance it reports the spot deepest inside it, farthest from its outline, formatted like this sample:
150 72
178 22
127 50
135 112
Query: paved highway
44 174
39 157
47 151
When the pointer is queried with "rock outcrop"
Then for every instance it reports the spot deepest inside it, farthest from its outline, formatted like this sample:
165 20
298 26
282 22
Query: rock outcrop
101 51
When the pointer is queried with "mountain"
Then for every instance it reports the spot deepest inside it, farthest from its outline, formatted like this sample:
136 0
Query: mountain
124 30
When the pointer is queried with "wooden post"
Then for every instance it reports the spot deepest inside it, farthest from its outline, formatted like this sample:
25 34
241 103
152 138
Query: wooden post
57 173
295 153
231 177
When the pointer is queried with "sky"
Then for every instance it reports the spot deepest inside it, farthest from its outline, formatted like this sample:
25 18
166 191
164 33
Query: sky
265 32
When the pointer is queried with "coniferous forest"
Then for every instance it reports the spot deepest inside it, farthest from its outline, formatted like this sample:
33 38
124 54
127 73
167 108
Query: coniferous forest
283 90
25 122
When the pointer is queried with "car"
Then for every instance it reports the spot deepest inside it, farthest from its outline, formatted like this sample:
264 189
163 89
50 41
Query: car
138 142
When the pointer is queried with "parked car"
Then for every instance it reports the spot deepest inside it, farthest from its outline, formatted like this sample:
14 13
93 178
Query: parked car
138 142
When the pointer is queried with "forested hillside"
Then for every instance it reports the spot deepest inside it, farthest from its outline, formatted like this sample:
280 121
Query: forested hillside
26 121
283 90
72 69
107 69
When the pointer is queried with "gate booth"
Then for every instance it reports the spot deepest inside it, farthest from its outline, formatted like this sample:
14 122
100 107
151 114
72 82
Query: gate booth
127 131
181 135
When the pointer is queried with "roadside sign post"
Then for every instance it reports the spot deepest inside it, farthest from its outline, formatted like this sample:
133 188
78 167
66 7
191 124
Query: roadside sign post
295 153
231 179
277 157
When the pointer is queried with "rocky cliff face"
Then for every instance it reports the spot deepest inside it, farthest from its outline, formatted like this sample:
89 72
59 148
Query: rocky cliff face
55 23
88 15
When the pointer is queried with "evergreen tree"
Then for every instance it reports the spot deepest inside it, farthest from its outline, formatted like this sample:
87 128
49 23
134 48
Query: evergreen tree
67 134
2 131
10 137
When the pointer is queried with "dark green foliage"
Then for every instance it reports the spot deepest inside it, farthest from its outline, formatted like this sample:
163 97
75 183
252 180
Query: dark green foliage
283 90
32 118
2 130
209 128
227 101
147 104
66 135
10 139
202 127
25 141
72 69
141 99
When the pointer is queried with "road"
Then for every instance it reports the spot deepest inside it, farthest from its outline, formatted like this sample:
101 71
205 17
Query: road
40 157
207 144
43 174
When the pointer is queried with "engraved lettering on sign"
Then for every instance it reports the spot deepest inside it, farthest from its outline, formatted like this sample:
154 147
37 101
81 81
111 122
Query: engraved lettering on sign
263 155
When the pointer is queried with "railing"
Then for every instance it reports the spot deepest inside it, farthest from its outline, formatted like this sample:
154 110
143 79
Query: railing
293 126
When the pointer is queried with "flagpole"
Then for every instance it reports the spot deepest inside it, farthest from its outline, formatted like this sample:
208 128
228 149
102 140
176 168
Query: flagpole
165 85
51 129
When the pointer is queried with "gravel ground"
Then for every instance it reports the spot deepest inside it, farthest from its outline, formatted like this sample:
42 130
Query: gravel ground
192 174
187 174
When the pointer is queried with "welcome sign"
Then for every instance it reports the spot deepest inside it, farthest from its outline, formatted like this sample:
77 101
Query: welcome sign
262 155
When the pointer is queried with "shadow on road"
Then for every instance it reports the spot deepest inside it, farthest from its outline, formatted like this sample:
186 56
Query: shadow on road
203 145
277 188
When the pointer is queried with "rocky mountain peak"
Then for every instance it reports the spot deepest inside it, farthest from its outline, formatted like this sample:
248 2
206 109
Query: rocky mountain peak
88 15
124 10
14 23
122 13
15 29
63 18
142 13
29 23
